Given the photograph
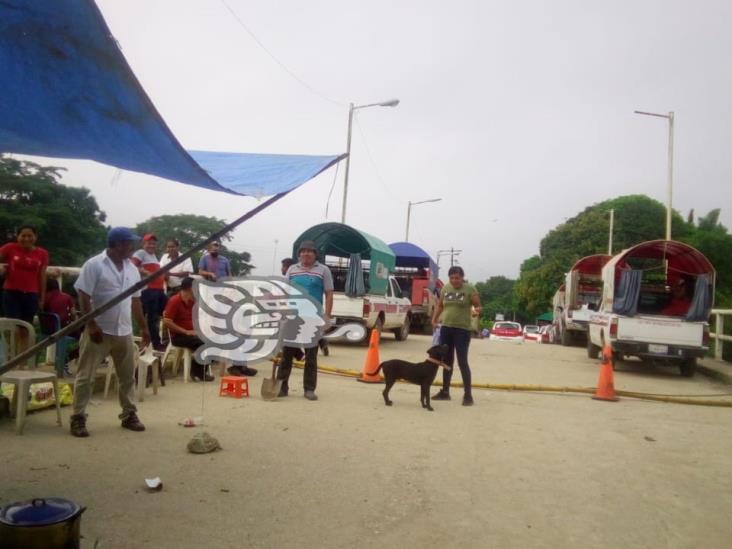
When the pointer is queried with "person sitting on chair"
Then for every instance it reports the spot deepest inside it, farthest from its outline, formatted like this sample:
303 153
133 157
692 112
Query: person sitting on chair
679 304
178 319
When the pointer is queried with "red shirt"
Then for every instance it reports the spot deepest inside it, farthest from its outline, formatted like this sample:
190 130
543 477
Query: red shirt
24 267
59 303
180 312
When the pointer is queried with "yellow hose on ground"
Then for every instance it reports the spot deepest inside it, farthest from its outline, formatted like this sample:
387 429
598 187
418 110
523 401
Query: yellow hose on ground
673 399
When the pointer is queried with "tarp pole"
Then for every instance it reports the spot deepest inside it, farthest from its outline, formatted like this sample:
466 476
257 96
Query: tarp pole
53 338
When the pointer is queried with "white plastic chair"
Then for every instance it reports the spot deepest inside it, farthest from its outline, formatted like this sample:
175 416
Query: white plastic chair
143 361
178 353
23 379
9 342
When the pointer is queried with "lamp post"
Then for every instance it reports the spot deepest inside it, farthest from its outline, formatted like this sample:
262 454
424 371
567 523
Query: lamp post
670 118
351 108
409 212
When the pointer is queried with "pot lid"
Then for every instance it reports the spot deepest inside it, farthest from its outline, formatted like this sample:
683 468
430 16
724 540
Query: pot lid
38 512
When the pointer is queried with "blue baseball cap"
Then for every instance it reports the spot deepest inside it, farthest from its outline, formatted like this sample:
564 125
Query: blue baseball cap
121 234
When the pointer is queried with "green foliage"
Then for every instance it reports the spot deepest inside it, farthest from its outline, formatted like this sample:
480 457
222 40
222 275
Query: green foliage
191 230
69 222
496 296
638 218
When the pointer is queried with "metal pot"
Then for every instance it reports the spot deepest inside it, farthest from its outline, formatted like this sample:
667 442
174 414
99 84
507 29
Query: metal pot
51 523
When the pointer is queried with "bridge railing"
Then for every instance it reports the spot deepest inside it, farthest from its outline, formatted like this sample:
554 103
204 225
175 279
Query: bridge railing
718 334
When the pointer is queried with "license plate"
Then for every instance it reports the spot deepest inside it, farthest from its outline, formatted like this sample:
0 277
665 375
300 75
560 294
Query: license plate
658 349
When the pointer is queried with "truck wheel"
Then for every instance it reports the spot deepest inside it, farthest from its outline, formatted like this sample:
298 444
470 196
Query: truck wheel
688 367
400 334
593 351
566 337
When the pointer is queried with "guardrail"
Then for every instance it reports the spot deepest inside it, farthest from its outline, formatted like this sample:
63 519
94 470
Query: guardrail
719 338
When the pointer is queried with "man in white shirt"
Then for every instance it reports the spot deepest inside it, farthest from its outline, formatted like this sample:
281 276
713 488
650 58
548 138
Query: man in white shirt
174 278
102 278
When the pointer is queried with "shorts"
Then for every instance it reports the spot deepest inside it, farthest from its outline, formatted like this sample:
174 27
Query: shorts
20 305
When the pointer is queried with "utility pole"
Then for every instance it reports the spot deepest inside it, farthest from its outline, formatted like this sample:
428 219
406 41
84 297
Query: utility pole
452 252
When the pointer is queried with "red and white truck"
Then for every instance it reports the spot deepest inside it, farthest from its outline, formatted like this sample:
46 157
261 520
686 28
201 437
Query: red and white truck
579 296
417 275
656 301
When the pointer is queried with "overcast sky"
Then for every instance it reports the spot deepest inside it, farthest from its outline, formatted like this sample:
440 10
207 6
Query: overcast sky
518 114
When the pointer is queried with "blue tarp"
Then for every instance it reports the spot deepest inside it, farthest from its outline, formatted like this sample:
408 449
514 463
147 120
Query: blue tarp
262 174
67 91
411 255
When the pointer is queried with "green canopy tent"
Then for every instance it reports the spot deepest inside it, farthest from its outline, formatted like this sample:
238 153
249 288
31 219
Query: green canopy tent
545 317
339 240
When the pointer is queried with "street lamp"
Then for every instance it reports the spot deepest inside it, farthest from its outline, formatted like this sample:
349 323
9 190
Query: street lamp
409 211
670 118
351 108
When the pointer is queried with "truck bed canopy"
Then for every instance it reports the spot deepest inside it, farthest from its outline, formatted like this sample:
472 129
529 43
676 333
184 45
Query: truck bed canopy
592 264
664 262
340 240
411 255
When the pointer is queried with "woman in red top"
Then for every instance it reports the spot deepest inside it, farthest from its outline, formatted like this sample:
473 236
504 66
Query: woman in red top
25 277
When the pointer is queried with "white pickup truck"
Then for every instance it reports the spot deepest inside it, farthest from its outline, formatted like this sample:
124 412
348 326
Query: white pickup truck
578 297
389 311
648 331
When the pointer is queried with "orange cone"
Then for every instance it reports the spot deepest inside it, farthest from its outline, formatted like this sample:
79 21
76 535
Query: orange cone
370 367
605 387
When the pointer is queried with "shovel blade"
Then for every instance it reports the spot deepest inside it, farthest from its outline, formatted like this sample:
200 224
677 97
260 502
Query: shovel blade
270 388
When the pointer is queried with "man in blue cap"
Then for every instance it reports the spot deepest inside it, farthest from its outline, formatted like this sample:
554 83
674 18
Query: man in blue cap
102 278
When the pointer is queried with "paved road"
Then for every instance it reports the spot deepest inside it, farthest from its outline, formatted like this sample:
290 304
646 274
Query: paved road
516 470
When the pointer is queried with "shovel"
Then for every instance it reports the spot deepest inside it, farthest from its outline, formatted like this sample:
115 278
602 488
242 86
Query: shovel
271 387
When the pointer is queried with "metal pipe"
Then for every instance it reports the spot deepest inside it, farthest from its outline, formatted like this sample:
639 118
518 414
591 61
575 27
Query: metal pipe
351 108
53 338
348 162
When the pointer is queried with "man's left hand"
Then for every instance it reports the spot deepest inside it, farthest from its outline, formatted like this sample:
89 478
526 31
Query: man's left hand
145 338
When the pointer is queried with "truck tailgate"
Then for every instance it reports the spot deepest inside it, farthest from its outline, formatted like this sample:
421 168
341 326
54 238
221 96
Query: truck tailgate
347 307
663 330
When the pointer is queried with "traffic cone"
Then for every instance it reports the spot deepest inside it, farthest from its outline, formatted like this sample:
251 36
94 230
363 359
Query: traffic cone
369 373
605 388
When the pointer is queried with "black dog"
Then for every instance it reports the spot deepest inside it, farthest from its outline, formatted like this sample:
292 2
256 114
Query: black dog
422 373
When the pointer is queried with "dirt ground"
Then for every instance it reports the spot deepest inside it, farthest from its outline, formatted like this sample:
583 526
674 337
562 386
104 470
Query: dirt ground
516 470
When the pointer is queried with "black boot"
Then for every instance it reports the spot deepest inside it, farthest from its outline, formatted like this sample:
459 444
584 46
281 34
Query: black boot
78 425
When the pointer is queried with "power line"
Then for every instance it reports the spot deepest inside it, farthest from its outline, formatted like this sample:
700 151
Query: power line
389 192
280 63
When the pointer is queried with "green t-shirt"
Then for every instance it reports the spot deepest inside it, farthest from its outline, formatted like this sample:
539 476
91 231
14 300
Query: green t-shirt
457 305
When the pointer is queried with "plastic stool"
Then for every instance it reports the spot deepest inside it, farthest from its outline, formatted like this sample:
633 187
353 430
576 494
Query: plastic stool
234 386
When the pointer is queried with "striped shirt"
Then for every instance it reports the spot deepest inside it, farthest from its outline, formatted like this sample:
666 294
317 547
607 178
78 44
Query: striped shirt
314 280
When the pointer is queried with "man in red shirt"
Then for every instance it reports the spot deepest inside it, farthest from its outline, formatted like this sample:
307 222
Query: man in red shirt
59 303
178 319
679 303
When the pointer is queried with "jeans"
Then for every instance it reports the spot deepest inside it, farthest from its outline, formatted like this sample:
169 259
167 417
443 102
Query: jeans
310 376
458 341
153 304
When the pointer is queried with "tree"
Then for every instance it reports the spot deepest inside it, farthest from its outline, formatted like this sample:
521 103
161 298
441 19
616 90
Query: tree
637 218
496 296
711 238
69 222
190 230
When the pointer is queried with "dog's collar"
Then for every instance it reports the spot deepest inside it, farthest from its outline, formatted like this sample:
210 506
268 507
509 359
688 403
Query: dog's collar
439 363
